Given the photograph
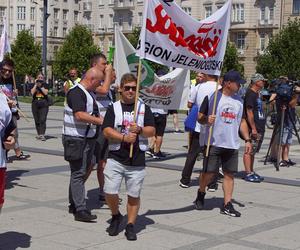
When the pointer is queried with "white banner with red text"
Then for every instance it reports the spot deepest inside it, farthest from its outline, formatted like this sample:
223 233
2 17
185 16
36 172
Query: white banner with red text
166 92
171 37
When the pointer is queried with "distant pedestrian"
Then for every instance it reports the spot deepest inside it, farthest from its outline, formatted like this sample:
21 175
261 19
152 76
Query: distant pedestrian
40 106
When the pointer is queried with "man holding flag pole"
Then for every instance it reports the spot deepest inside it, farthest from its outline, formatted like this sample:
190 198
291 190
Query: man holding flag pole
171 37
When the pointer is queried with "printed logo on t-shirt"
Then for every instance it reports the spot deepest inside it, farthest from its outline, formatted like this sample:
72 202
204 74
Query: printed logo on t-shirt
228 113
7 89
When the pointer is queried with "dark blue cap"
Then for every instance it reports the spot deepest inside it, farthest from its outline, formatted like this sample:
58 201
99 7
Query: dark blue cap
234 76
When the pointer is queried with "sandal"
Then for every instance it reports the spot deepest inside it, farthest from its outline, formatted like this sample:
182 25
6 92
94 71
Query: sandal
22 156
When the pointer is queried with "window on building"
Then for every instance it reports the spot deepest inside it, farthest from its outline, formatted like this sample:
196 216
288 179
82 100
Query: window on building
188 10
65 14
240 40
20 27
271 14
208 11
140 19
101 22
11 12
111 2
2 12
32 30
11 30
55 49
262 38
64 32
238 13
296 7
55 15
101 44
263 13
32 13
110 42
21 12
76 16
55 29
111 21
65 1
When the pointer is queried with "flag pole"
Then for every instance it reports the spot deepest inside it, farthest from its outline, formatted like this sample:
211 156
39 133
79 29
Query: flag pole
213 113
136 99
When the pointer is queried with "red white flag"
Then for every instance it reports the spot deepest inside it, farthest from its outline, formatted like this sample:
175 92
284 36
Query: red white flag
171 37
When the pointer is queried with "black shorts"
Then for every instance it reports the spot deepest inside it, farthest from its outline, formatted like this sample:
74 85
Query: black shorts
217 157
160 122
101 147
172 111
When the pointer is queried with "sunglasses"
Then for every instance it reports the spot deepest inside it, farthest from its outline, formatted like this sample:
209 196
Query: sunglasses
127 88
6 70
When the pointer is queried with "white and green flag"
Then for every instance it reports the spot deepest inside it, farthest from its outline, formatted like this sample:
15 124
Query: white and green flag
167 92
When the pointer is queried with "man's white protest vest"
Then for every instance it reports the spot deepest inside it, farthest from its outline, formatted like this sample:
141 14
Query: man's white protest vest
72 126
115 145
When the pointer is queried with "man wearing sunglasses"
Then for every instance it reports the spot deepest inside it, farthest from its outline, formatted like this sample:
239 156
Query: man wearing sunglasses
120 128
6 87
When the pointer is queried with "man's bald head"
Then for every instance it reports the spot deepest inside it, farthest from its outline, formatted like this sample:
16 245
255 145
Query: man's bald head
92 78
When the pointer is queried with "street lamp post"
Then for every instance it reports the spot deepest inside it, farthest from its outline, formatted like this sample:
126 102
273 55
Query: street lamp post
44 52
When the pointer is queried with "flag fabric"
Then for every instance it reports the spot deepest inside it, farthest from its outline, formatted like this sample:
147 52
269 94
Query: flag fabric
171 37
4 43
167 92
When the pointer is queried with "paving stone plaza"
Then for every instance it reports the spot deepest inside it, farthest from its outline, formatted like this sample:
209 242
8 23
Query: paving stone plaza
35 214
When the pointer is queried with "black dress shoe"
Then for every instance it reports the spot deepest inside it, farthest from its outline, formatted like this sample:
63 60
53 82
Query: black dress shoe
85 216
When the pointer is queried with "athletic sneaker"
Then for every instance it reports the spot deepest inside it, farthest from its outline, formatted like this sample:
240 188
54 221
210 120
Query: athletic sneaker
228 209
212 187
291 163
115 222
150 152
183 185
283 163
252 178
257 176
199 202
130 232
178 131
159 155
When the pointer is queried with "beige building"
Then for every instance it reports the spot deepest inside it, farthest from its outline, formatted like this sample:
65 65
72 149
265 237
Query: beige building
253 22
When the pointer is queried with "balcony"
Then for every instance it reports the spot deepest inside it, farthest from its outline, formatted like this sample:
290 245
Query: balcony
266 23
87 6
123 5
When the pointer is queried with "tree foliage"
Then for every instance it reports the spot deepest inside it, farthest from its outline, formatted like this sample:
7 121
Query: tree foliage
282 56
26 54
231 60
76 51
133 39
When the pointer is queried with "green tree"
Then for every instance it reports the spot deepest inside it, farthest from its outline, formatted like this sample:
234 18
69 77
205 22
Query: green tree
26 54
231 60
133 39
282 56
76 51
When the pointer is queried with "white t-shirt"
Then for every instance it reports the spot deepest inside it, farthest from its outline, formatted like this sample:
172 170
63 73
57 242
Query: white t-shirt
199 93
5 117
229 114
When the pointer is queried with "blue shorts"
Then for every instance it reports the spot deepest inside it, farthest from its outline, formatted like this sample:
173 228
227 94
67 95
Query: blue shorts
287 136
114 172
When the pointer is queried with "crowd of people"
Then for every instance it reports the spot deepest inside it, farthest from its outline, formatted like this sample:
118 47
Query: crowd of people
100 130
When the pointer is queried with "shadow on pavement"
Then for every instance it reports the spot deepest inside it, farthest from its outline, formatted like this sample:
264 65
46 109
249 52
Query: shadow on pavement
93 201
12 176
14 240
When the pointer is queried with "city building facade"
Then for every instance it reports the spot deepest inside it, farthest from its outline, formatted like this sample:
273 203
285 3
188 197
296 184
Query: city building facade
253 22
